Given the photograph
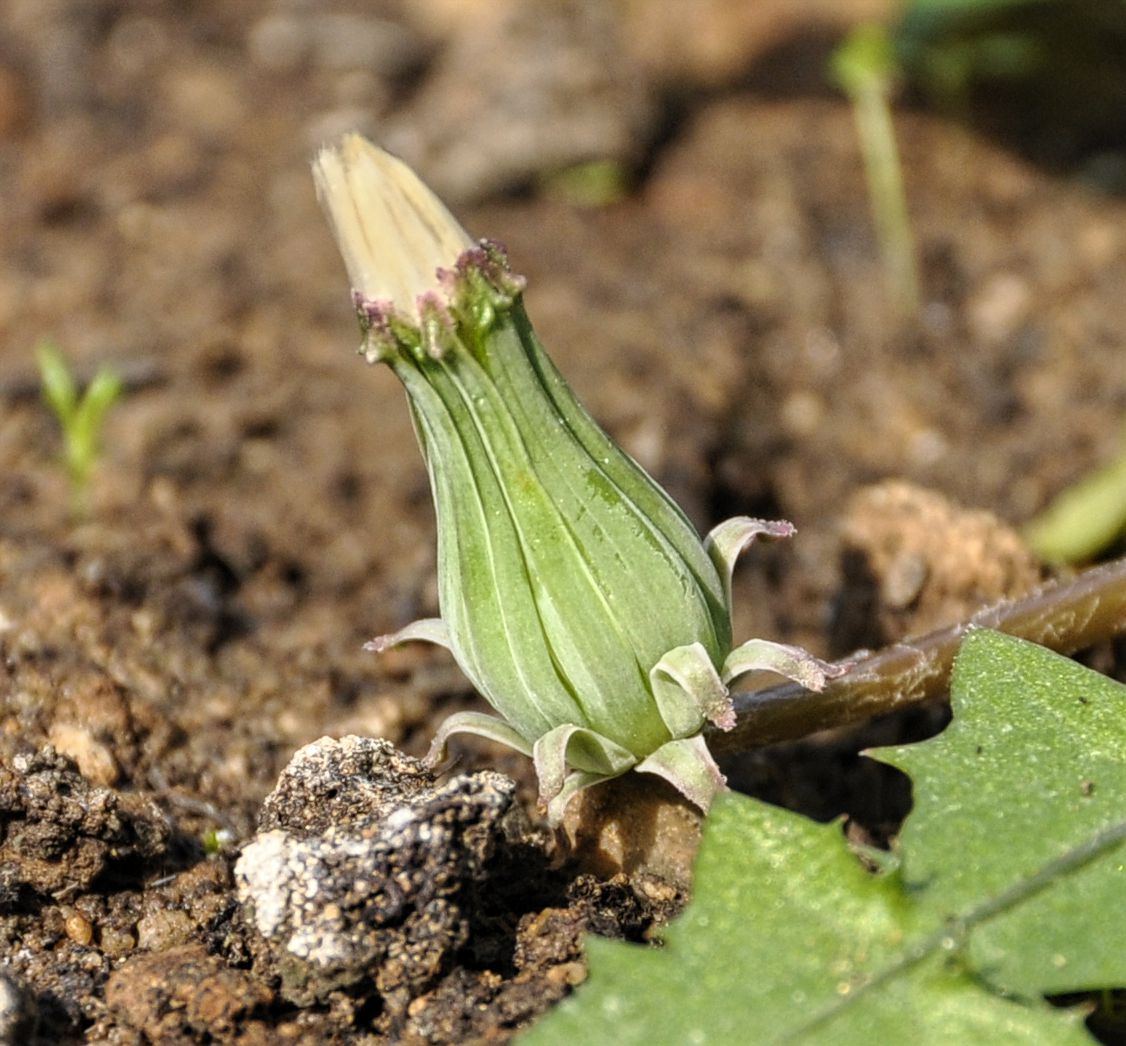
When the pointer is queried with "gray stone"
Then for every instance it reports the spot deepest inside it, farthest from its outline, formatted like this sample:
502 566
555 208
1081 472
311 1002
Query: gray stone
17 1012
365 868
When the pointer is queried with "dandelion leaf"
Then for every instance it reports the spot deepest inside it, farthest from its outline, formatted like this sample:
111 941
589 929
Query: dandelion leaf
1029 776
1011 885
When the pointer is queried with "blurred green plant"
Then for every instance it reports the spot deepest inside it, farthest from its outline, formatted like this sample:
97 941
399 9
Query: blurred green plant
595 183
1050 75
214 839
1084 519
80 416
865 68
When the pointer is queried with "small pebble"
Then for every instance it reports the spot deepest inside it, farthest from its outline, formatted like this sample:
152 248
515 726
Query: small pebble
115 943
904 580
207 101
78 928
95 761
570 973
1000 307
802 412
159 930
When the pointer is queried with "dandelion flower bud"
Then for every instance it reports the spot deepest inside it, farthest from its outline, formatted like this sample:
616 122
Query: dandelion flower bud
574 593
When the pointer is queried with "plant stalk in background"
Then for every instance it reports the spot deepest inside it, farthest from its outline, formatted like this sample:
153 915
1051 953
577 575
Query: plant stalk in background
865 68
574 593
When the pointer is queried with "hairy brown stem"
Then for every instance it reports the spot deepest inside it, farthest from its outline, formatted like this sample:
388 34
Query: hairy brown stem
1064 616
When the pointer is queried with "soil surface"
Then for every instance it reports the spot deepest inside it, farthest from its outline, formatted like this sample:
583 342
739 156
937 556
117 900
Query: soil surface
260 508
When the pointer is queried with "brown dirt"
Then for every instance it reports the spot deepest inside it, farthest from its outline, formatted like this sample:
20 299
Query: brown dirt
260 509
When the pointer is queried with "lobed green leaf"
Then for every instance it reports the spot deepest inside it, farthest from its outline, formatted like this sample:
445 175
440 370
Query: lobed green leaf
1032 768
1011 886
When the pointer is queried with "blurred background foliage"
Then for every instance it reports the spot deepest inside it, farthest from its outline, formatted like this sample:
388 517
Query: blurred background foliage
1046 76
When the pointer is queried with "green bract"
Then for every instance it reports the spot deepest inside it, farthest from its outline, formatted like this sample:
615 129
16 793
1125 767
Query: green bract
574 593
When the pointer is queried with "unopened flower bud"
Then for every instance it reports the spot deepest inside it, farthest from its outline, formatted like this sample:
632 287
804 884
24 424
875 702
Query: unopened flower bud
574 593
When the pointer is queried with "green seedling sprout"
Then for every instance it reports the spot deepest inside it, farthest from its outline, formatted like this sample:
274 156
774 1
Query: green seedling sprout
214 839
865 68
80 417
1085 519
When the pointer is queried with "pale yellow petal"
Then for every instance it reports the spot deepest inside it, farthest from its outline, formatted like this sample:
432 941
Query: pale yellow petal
393 232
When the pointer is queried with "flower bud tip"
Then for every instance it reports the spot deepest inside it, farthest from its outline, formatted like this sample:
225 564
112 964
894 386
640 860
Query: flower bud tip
392 231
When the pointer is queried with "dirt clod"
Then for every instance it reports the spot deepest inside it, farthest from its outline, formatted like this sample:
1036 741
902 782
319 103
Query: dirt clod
342 784
186 996
61 833
381 894
913 562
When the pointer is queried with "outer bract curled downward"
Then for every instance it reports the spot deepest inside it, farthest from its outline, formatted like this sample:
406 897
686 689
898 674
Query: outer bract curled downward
574 593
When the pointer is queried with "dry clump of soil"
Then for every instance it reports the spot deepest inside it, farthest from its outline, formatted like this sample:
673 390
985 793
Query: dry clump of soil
261 509
912 562
374 901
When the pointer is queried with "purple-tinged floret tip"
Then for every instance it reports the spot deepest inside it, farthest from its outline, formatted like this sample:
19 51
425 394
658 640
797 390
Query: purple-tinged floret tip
376 318
780 528
374 313
493 265
488 262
